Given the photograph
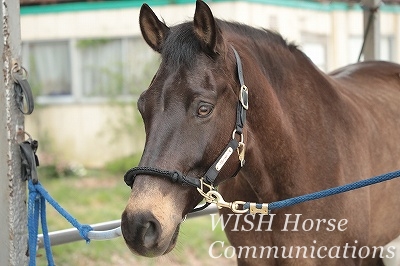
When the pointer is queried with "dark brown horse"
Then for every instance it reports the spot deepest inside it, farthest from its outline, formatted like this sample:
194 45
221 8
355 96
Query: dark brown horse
305 131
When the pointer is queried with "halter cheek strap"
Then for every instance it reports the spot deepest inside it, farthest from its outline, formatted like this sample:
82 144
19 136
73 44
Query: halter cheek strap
211 175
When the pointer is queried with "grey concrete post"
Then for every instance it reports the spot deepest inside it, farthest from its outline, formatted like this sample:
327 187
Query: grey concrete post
13 221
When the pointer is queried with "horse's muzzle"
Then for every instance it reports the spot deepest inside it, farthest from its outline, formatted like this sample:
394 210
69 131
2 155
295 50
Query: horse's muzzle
143 234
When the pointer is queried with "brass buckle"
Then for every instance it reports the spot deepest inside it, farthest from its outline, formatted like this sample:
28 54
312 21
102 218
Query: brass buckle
214 196
262 210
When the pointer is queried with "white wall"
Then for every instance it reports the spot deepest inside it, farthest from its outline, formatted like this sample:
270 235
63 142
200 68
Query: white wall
84 126
88 135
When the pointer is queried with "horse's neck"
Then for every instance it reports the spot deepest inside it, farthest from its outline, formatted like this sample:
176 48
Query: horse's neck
279 120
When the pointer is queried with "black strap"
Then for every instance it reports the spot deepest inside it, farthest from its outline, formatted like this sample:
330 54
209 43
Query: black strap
243 96
238 66
23 94
213 171
173 176
178 177
29 160
240 118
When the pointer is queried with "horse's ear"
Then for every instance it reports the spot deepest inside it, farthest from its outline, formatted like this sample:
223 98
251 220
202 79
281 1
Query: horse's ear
206 29
153 30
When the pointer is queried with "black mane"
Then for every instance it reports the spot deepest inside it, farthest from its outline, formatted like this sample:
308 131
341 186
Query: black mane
257 34
181 45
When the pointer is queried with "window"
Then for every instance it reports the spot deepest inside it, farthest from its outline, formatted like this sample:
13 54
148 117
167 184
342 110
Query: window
49 67
87 69
140 64
100 67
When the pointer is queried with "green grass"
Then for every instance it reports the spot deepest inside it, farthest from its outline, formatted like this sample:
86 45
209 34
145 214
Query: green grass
101 196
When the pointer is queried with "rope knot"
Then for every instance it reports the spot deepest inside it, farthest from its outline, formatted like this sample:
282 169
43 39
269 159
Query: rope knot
34 194
32 186
176 176
84 232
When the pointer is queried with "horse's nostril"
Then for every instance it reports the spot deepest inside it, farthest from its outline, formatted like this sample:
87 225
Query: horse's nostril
141 231
150 234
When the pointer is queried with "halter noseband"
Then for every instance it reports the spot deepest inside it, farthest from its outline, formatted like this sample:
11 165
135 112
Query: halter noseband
210 176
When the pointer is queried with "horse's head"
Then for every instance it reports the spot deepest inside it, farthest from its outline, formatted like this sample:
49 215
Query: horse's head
189 113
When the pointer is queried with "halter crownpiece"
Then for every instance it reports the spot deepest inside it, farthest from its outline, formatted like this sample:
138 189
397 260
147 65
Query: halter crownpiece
210 176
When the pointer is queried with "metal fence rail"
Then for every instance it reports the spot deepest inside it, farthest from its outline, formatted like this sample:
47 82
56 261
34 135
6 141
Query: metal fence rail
103 231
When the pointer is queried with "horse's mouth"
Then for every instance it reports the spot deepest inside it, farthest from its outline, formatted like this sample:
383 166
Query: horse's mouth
173 241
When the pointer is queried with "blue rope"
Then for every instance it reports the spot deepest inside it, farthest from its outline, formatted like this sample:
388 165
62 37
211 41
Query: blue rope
37 207
327 192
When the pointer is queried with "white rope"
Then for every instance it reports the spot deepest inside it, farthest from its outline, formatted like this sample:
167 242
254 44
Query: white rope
105 235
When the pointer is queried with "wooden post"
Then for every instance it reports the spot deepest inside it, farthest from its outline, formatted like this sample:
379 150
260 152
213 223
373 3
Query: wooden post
13 221
372 42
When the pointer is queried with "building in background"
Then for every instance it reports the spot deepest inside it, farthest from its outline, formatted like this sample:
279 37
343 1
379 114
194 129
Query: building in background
87 62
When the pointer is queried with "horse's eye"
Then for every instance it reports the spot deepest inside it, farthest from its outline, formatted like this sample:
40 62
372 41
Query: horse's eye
204 110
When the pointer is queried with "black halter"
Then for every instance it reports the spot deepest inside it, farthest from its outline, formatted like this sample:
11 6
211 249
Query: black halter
212 173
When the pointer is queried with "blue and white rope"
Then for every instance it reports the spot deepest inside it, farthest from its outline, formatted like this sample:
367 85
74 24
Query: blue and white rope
37 207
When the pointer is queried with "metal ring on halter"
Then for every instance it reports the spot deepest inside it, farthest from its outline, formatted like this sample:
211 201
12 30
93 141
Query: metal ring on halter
30 139
201 188
17 68
241 135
